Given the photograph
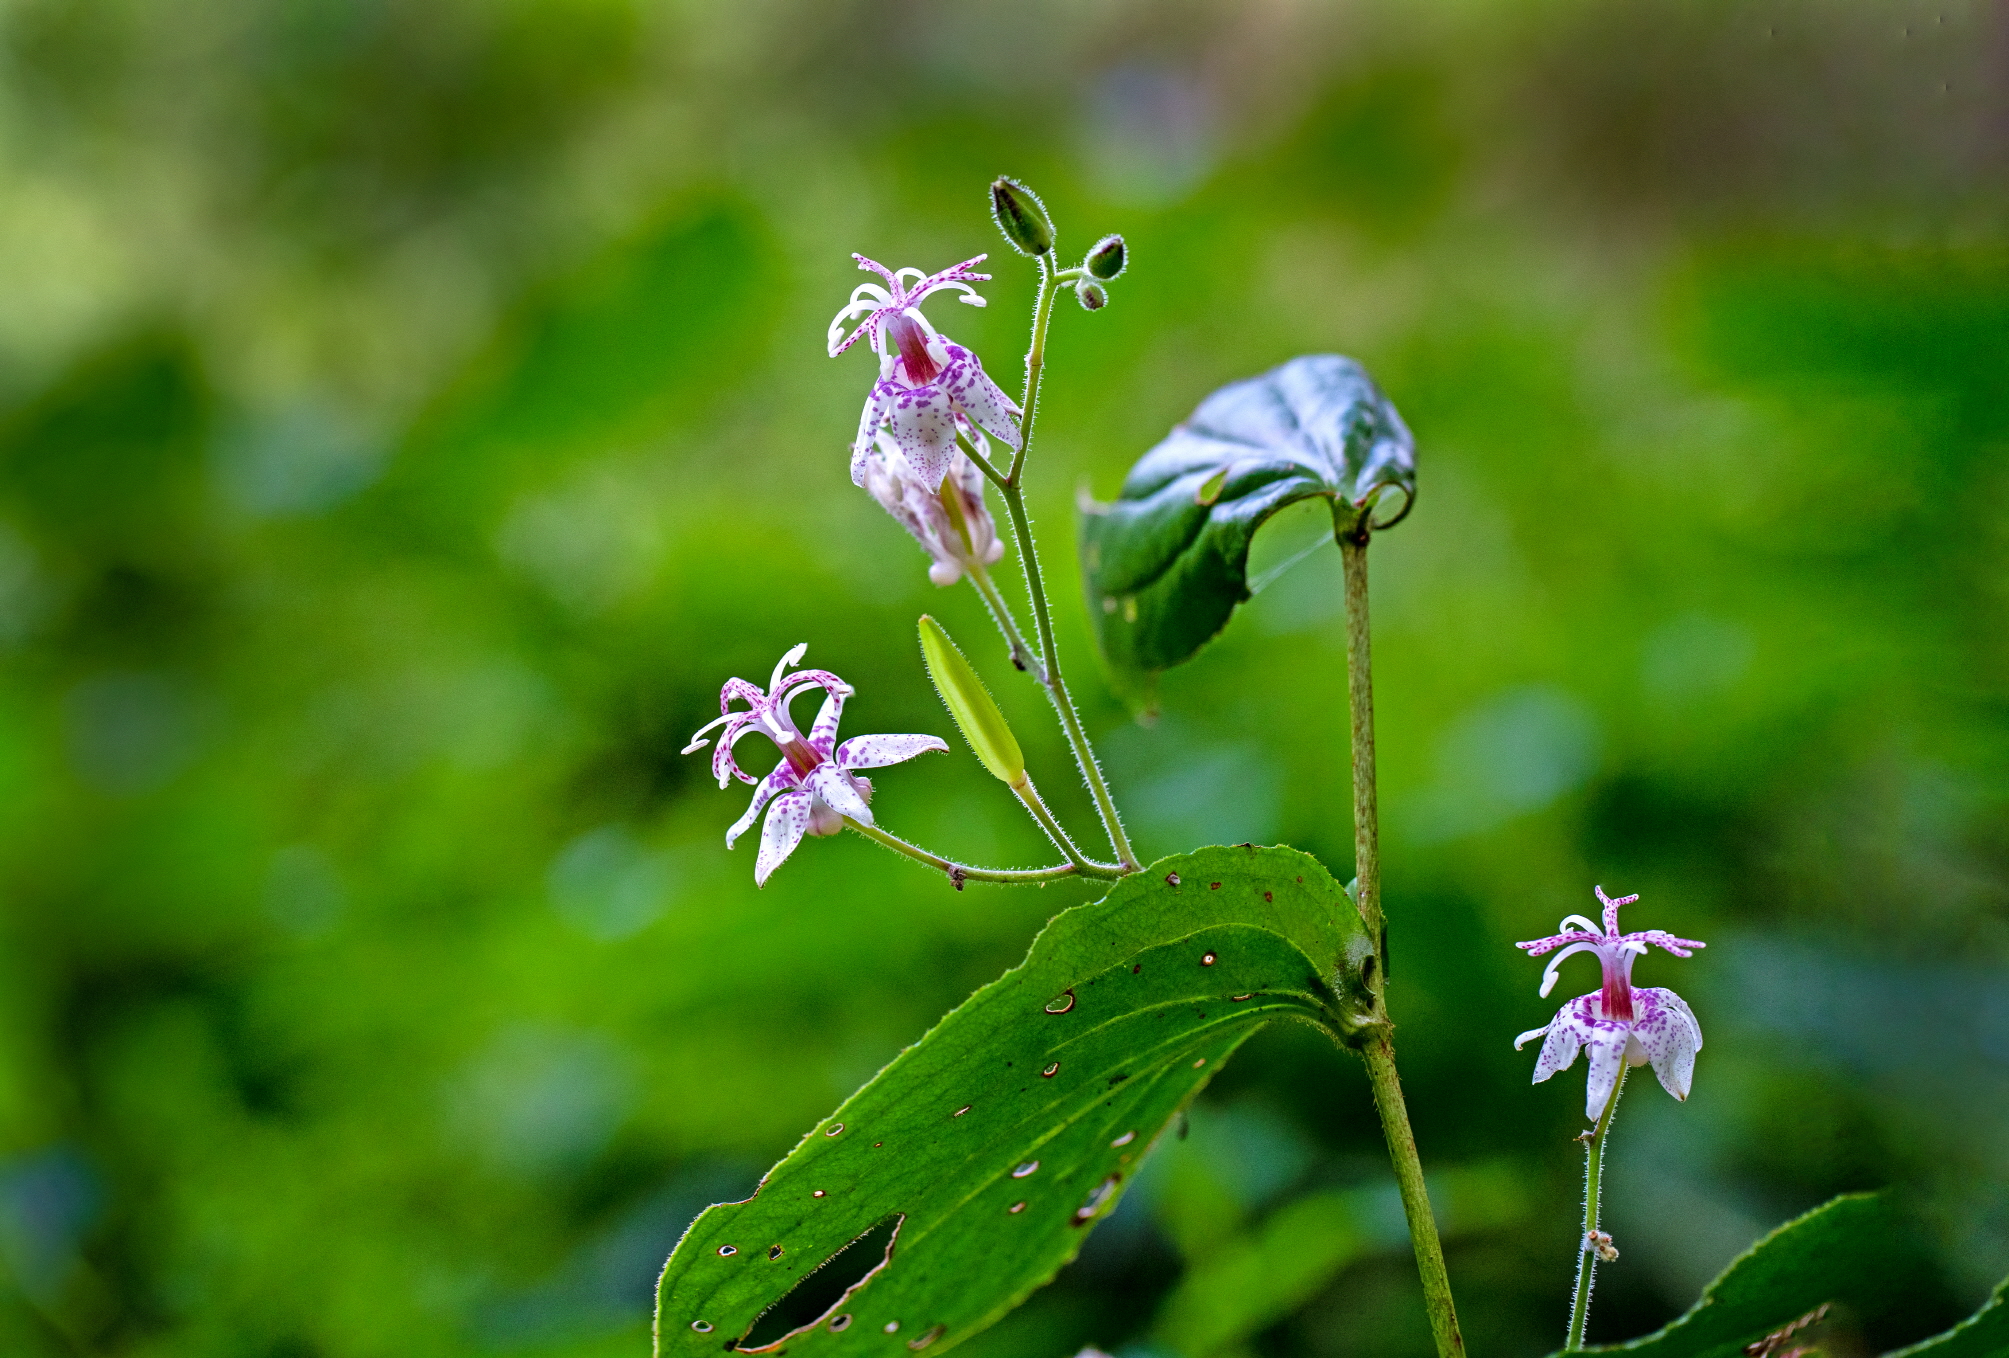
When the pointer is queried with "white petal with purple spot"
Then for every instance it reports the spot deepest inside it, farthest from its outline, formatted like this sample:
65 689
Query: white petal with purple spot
874 752
782 779
833 785
787 819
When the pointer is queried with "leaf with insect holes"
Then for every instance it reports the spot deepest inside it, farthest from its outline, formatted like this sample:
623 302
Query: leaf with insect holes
1858 1253
1167 562
971 1168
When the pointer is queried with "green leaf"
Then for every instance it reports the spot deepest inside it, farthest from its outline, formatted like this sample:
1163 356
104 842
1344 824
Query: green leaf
1985 1334
1857 1251
1001 1137
1167 562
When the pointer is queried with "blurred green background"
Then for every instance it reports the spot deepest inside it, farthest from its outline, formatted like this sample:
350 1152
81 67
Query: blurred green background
411 411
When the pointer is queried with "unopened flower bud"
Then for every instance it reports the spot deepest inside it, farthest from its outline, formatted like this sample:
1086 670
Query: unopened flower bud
1092 295
1022 217
1108 257
971 704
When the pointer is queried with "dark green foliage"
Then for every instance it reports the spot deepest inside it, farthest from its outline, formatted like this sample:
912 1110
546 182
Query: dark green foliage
1858 1254
1167 562
1002 1136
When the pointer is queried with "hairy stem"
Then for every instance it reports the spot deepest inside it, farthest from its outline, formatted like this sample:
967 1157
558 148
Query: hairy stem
1056 687
1380 1050
1035 364
1011 487
1593 1172
960 872
1029 794
1022 655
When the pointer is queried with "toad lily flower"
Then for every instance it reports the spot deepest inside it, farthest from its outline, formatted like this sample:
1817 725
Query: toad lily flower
815 786
1622 1022
951 521
929 386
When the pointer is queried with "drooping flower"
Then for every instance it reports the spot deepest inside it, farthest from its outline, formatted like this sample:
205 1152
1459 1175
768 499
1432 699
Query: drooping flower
929 386
1621 1023
815 786
951 521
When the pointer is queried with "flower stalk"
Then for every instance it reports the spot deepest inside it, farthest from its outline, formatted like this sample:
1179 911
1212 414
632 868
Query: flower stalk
1379 1052
1011 488
958 873
1591 1246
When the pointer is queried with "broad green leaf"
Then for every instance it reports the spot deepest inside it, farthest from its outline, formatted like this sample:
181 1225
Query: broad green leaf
1857 1251
1985 1334
1167 562
994 1143
1233 1292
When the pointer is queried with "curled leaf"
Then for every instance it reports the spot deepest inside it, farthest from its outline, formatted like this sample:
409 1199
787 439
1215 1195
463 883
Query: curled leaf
1167 562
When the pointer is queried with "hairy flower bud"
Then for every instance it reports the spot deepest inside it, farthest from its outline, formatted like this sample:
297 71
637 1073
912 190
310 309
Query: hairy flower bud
971 704
1022 217
1108 257
1092 295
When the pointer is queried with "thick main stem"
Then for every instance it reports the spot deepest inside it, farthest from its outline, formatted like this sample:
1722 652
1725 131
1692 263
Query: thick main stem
1593 1188
1379 1052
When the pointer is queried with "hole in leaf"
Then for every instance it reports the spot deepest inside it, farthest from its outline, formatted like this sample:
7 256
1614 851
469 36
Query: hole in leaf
825 1289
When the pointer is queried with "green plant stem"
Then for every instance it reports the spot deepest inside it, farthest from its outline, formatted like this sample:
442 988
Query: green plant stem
1360 714
1047 674
1593 1172
1056 832
1056 687
960 873
1022 655
1035 365
1379 1053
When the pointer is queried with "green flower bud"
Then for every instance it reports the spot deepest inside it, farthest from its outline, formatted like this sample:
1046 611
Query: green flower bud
1022 217
1091 294
1108 257
971 704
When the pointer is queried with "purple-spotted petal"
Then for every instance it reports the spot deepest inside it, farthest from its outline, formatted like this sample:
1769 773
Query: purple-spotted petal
1559 1053
973 392
833 785
1668 1036
1660 938
779 781
1605 1042
874 752
824 733
787 819
723 763
877 403
1535 947
922 421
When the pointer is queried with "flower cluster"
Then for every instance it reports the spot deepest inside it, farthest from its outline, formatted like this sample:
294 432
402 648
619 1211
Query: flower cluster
815 787
1621 1023
929 388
